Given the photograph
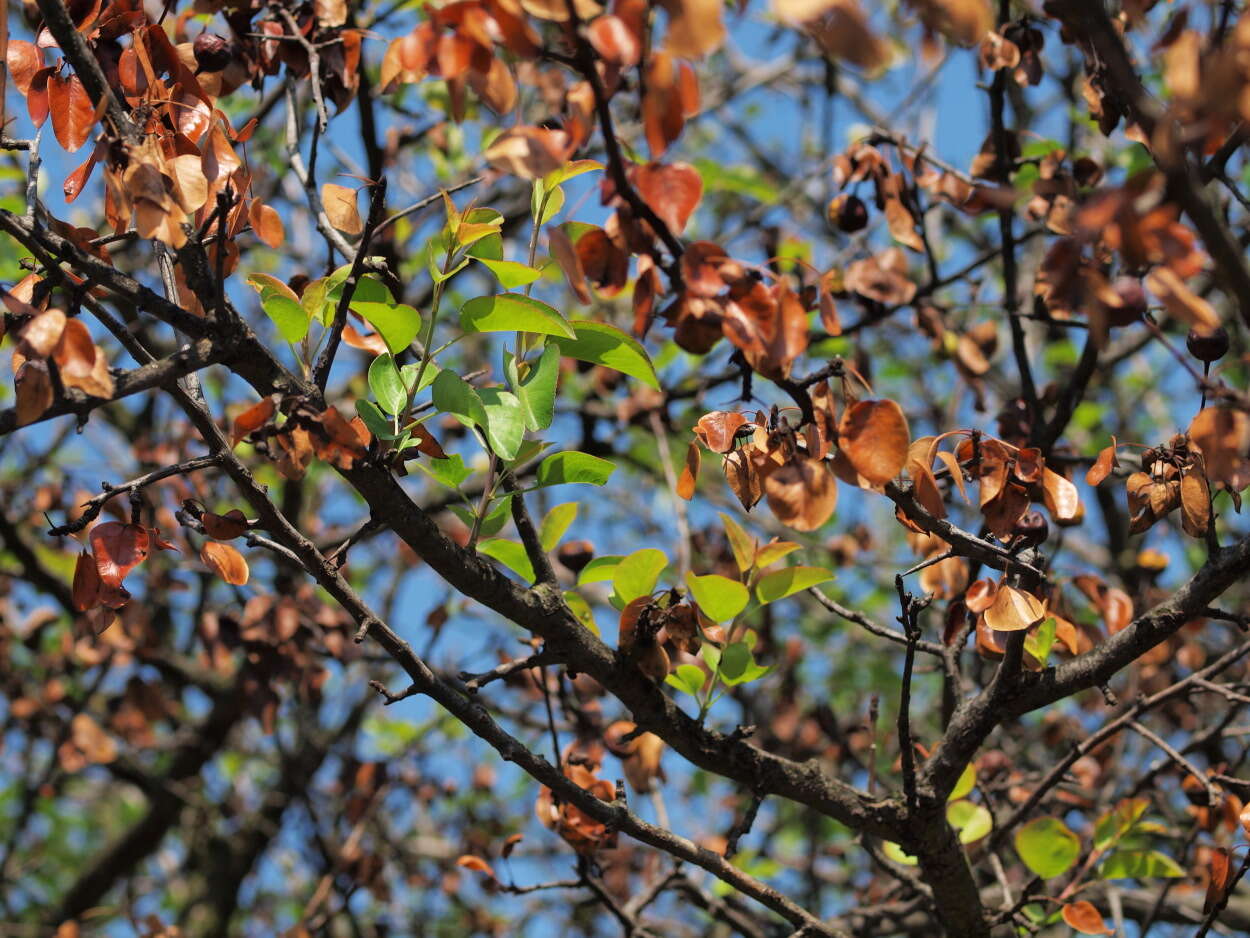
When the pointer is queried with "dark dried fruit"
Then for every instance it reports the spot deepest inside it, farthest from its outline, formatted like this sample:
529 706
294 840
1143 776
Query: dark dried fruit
847 213
1030 530
212 52
1132 299
1207 346
574 555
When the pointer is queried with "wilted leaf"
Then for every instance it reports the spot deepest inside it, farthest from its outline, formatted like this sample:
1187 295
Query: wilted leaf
225 561
1013 610
802 494
118 549
874 437
341 210
1084 917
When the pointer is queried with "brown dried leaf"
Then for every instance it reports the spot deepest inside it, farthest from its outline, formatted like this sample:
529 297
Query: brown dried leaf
341 210
225 561
690 472
1084 917
874 437
118 549
225 527
477 864
1014 610
802 494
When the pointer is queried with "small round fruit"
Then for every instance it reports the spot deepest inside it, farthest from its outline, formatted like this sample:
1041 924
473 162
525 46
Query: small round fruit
1031 529
212 52
847 213
1207 346
574 555
1133 303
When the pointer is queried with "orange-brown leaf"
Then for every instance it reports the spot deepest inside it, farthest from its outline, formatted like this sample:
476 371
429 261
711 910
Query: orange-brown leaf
225 561
341 209
1013 610
118 549
1084 917
875 438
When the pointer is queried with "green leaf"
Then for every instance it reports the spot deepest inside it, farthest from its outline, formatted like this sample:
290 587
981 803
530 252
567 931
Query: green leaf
511 274
572 466
555 524
570 171
286 313
897 854
377 422
537 390
451 471
489 248
738 665
742 543
505 421
528 452
509 553
494 520
554 196
1039 641
453 395
719 597
1047 846
397 323
313 299
600 569
438 274
512 312
637 573
687 678
601 344
1117 822
581 609
387 385
1140 864
965 783
782 583
972 820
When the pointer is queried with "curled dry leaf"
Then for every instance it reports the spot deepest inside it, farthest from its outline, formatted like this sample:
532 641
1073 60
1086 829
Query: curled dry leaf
267 223
73 115
673 191
1217 881
341 209
225 561
528 152
1060 497
690 472
980 595
475 863
32 385
225 527
95 745
717 430
802 494
1014 610
1195 502
1223 435
252 420
1084 917
1182 302
1103 465
40 335
873 436
118 549
510 844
